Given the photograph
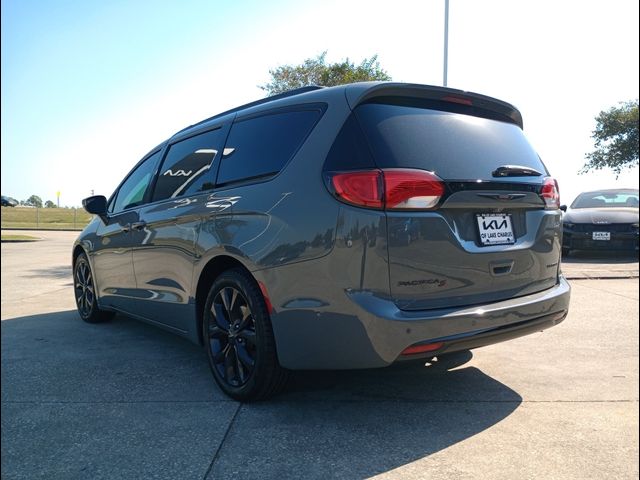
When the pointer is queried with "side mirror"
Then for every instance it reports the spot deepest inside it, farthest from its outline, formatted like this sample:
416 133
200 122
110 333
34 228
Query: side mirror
96 205
563 208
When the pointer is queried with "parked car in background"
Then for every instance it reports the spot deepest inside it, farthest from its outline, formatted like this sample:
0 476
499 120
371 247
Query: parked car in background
601 220
332 228
9 202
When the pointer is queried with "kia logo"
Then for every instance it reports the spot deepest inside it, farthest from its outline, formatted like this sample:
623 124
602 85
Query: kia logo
494 225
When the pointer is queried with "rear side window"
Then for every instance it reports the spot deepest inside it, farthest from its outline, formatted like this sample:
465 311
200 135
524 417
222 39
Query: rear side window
187 167
261 146
453 145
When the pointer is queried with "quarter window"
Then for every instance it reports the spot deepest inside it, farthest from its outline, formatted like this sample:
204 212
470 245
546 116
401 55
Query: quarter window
187 167
131 192
261 146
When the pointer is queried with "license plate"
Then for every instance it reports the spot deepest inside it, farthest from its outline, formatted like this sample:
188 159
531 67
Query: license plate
495 229
601 235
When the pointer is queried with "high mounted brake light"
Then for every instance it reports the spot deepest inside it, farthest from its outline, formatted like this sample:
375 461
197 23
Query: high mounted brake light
460 100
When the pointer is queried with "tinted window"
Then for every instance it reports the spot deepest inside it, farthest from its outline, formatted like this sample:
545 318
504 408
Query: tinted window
186 169
453 145
258 147
131 192
606 199
350 150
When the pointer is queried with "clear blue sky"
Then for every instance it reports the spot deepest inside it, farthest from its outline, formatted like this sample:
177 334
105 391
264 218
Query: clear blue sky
89 87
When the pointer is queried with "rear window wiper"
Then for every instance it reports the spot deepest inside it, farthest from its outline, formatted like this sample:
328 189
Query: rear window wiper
515 171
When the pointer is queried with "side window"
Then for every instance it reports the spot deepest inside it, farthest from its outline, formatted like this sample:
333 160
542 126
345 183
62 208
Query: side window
261 146
186 169
131 192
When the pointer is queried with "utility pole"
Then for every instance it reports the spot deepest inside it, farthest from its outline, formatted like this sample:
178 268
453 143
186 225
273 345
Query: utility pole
446 42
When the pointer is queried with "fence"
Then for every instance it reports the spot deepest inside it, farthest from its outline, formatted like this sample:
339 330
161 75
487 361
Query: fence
45 218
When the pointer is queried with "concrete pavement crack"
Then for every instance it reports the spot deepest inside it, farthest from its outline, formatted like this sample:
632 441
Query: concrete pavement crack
224 438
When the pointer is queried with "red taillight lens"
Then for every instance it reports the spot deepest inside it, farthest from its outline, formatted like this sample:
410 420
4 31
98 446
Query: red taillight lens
363 188
550 193
411 189
393 188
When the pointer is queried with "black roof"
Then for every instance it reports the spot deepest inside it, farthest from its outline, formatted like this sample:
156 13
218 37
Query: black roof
360 92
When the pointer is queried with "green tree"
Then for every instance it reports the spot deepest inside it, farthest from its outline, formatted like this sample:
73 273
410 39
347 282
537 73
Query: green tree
316 71
49 204
615 139
35 201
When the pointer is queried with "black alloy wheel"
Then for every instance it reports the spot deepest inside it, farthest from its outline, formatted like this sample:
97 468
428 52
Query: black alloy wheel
85 292
239 339
232 335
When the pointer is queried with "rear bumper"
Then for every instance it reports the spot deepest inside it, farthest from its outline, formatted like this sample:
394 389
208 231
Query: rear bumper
372 332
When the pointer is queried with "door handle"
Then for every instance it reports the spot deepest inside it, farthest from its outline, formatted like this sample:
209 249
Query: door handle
138 225
125 228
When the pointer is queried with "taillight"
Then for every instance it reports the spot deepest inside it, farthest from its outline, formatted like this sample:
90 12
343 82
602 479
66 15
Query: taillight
411 189
550 193
363 188
393 188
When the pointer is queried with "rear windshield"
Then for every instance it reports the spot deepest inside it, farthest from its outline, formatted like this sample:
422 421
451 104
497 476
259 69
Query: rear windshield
606 199
453 145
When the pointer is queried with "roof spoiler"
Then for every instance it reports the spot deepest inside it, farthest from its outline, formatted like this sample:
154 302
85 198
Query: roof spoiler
460 100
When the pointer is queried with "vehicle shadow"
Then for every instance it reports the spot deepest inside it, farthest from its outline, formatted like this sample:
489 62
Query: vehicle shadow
131 376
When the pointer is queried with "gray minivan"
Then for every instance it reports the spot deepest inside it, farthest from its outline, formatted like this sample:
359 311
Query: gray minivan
332 228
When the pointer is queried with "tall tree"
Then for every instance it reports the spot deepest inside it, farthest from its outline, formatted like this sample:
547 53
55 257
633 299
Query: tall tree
35 201
615 139
316 71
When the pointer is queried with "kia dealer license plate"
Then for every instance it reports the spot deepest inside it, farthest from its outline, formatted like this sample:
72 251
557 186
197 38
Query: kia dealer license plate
495 229
602 235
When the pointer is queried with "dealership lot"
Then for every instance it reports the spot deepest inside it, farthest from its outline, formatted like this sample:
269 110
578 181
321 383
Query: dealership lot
126 400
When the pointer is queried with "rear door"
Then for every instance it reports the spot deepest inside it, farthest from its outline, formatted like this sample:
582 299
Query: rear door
492 235
168 227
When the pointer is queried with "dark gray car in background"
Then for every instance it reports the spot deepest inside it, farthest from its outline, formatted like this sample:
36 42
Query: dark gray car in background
332 228
602 220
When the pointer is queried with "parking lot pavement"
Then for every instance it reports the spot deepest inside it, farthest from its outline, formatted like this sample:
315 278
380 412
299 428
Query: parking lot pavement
586 264
126 400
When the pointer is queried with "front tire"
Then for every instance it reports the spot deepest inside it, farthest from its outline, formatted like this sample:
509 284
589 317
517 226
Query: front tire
239 339
84 290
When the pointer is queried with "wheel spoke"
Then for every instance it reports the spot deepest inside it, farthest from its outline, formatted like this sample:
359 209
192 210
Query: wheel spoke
246 317
240 373
248 336
244 356
216 332
220 315
221 355
228 366
226 301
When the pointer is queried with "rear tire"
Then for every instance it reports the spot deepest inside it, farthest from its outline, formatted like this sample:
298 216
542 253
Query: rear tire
84 290
239 339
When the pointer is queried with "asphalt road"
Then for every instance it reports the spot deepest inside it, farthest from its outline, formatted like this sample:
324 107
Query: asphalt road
126 400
